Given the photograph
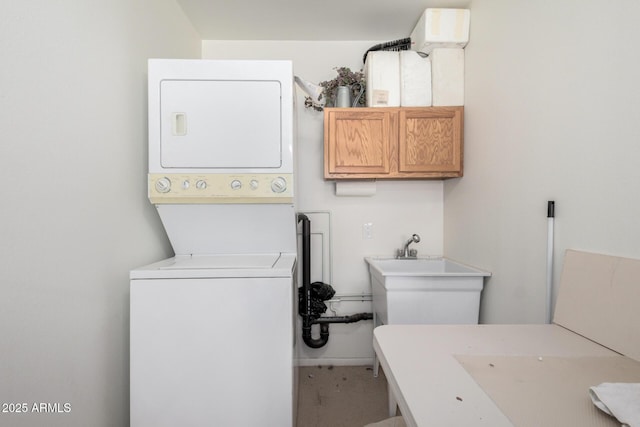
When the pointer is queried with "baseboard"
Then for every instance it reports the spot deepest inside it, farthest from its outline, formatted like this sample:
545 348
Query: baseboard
358 361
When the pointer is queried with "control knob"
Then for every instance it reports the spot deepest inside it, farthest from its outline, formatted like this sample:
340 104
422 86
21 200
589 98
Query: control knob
163 185
236 184
201 184
279 185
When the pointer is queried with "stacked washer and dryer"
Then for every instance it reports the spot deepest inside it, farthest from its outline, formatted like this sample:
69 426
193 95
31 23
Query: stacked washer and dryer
213 328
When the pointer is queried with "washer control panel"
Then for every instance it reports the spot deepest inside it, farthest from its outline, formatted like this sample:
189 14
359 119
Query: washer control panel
220 188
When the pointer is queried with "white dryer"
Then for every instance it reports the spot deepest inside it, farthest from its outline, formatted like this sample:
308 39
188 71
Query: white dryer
213 328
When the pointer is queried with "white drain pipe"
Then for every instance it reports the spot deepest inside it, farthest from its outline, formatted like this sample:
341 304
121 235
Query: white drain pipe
550 220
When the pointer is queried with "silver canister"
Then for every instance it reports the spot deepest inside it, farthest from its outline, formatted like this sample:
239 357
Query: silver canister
343 97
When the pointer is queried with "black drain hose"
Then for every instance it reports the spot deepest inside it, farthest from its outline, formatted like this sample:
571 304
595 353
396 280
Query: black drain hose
308 318
344 319
305 289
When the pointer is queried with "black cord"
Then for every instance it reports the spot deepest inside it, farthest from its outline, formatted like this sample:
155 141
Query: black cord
394 46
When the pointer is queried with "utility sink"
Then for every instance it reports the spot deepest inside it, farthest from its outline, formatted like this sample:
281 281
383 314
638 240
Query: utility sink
425 291
422 267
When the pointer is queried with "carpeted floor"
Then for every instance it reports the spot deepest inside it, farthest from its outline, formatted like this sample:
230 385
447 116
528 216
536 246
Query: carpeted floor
341 396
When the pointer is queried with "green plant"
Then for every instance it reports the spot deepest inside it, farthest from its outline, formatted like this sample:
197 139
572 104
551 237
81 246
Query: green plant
345 77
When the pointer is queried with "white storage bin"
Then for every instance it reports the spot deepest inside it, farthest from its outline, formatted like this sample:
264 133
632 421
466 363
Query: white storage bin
415 80
441 28
447 77
382 74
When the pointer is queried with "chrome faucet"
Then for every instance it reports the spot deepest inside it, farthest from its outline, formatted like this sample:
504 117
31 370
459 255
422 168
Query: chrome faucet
406 252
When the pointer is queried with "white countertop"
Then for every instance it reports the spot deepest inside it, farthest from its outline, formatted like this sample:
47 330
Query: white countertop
432 387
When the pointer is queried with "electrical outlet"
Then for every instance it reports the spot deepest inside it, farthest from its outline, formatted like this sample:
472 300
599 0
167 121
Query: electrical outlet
367 230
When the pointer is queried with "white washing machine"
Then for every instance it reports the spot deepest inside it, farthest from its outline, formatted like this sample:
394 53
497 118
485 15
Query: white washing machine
213 328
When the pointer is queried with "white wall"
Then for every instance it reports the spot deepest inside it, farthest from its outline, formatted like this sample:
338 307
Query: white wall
552 102
552 107
74 217
399 208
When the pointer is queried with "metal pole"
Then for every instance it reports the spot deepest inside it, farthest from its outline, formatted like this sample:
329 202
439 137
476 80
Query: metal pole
550 220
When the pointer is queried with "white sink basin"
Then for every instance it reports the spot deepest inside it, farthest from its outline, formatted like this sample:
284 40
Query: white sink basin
422 267
425 291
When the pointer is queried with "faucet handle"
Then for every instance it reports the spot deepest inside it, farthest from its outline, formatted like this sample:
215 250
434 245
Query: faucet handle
399 253
413 253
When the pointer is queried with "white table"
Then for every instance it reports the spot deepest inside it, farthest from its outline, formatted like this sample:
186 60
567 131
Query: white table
428 382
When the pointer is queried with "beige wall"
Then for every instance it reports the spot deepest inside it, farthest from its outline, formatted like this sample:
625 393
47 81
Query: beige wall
74 217
552 108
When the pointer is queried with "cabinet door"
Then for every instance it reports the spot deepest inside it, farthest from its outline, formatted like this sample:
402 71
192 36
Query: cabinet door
430 140
357 142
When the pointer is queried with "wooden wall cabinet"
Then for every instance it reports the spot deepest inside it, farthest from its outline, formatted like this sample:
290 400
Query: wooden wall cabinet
393 143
